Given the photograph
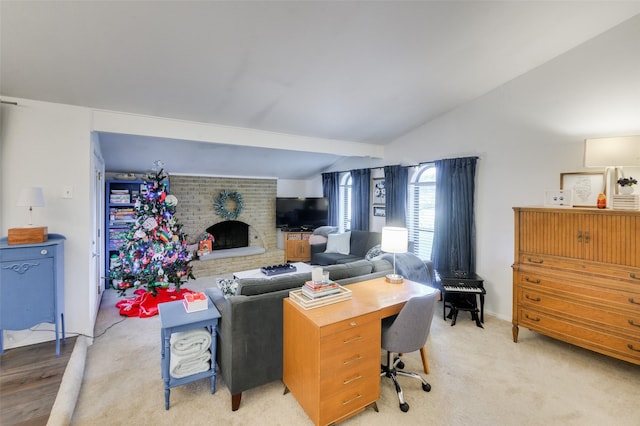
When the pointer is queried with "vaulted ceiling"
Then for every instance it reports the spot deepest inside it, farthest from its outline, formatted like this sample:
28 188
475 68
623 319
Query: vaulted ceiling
357 71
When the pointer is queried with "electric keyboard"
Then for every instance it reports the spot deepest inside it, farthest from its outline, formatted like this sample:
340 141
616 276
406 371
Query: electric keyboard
464 288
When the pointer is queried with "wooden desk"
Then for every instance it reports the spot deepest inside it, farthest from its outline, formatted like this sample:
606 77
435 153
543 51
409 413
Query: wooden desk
331 354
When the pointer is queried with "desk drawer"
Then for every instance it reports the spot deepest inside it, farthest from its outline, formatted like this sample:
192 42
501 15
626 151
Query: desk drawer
351 400
349 324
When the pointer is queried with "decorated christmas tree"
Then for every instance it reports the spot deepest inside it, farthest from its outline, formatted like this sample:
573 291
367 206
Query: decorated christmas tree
154 253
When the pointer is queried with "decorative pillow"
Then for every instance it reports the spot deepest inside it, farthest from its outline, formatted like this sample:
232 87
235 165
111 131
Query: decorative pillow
373 252
227 286
338 243
317 239
325 230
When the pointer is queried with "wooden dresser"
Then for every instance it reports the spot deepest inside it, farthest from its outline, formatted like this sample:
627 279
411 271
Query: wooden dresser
576 277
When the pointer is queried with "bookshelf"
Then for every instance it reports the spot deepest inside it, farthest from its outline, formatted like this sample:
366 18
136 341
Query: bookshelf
120 214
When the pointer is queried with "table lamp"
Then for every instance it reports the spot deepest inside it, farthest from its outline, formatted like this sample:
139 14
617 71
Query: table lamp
31 197
29 234
612 154
394 240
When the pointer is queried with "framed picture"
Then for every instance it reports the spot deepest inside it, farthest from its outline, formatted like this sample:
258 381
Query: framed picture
378 191
585 186
378 211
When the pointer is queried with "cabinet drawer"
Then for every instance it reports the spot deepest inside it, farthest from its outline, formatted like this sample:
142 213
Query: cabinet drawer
593 290
24 253
349 401
606 319
336 379
626 348
351 323
599 269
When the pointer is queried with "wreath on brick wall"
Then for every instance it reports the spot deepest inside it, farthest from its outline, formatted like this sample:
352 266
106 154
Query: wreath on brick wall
221 201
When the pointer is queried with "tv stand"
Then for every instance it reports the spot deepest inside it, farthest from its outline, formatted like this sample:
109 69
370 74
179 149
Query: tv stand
296 246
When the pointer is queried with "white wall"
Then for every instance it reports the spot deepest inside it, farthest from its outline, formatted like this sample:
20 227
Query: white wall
529 131
48 145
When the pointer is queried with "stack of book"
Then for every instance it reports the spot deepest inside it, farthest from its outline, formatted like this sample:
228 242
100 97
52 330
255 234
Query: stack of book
120 196
315 290
626 202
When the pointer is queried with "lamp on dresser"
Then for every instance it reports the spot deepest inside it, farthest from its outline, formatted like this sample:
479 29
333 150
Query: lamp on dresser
29 234
394 240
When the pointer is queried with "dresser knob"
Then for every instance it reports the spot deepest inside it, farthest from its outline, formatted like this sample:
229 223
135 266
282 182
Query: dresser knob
43 252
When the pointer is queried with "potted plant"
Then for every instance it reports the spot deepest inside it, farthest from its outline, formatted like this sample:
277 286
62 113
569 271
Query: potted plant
626 184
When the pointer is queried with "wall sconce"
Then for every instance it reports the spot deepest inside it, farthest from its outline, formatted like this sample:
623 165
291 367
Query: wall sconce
613 154
394 240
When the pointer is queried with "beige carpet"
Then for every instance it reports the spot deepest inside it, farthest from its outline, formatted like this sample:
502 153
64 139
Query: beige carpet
479 377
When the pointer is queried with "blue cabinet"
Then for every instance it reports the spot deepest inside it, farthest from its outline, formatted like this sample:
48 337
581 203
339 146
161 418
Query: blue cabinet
32 286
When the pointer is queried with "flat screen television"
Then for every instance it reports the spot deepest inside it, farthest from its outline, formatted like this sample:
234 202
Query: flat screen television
301 213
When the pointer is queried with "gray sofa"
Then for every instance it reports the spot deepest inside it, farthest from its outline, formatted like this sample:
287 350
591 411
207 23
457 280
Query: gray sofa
250 329
361 242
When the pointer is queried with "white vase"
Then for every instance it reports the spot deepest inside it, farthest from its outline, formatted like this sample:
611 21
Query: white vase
626 189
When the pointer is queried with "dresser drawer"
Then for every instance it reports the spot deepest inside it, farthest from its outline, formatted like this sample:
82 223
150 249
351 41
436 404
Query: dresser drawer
25 253
626 348
348 324
351 376
350 400
594 290
605 319
582 266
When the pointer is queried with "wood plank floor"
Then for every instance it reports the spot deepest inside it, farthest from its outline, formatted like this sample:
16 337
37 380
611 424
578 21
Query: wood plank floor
29 380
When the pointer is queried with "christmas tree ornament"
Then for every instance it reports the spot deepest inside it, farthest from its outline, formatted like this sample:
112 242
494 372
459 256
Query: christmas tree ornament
171 200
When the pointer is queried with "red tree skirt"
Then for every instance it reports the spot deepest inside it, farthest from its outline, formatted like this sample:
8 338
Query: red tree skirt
145 304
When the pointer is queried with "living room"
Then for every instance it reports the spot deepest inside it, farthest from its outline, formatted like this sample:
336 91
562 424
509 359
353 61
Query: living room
526 128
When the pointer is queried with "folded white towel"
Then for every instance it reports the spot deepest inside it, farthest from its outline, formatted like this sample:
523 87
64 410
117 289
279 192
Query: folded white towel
186 366
191 342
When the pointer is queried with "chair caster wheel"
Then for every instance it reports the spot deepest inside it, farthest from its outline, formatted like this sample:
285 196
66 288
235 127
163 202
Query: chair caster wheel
400 365
404 407
426 387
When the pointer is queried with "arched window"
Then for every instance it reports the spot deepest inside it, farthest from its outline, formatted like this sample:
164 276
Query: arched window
345 202
422 203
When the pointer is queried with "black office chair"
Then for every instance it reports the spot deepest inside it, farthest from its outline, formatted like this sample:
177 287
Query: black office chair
407 332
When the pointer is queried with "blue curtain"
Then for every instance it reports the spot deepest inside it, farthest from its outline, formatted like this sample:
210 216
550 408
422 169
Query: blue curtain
454 239
331 191
396 180
360 199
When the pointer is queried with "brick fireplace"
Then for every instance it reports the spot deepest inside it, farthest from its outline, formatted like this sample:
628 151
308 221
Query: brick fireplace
195 212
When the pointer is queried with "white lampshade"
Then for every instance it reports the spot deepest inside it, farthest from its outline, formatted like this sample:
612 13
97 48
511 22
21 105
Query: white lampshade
394 239
31 197
612 152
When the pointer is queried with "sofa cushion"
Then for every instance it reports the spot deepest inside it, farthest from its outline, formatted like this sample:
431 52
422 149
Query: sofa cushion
253 286
348 270
338 243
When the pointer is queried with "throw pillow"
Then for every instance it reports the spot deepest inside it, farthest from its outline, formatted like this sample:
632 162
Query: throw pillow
227 286
373 252
325 230
338 243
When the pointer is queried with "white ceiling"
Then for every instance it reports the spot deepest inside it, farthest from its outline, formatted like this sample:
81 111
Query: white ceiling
358 71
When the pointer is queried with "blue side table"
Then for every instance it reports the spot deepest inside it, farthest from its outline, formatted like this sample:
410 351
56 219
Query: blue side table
173 319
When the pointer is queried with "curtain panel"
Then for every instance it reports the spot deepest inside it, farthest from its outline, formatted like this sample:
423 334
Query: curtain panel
396 181
454 239
331 191
360 199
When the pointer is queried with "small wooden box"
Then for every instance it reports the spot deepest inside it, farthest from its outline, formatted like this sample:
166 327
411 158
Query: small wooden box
36 234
